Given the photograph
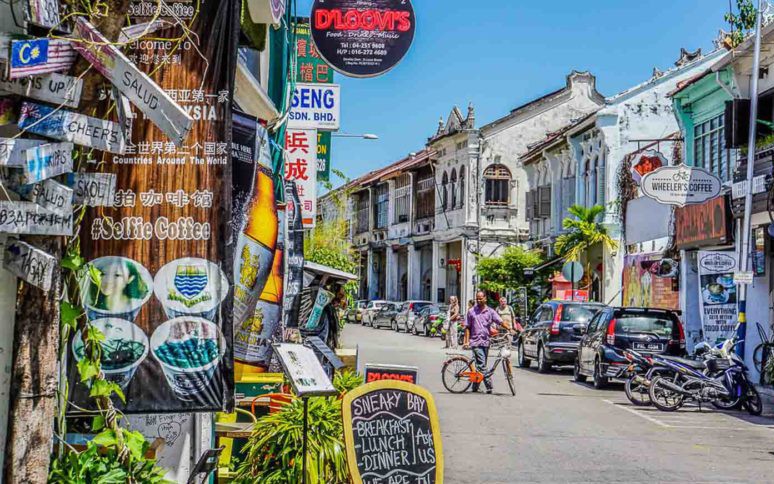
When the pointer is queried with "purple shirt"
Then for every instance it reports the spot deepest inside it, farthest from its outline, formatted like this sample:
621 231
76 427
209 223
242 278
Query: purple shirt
478 322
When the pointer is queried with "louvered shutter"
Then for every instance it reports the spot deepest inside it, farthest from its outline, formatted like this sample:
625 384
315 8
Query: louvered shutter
530 208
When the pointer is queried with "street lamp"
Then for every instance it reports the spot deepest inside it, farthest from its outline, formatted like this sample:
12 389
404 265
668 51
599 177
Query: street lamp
349 135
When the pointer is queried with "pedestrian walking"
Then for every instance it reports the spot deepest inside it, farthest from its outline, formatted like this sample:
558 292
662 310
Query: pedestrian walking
508 315
452 323
480 325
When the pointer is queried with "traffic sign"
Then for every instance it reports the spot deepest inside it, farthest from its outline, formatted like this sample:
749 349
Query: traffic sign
572 271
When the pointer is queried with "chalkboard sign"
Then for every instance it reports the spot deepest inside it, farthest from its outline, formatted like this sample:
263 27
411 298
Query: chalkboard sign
392 434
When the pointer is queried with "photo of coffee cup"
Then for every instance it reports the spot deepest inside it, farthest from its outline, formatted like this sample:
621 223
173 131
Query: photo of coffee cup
115 287
125 347
189 350
191 287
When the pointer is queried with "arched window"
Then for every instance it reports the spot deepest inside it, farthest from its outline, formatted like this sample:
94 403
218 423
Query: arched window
462 187
445 192
453 188
497 185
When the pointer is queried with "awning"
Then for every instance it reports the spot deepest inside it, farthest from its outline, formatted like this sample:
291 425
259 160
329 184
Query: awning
251 97
330 272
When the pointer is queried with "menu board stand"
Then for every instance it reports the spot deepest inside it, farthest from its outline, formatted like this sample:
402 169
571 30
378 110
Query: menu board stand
308 379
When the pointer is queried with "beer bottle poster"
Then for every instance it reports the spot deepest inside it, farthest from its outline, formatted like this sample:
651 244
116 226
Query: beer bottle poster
392 434
161 257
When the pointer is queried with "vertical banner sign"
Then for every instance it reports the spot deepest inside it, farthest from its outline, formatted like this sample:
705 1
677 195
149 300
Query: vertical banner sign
244 129
301 169
363 38
311 67
650 281
161 257
294 245
392 434
717 295
323 156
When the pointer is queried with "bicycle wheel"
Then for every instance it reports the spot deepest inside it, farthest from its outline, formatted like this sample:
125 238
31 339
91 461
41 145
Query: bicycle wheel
452 374
509 375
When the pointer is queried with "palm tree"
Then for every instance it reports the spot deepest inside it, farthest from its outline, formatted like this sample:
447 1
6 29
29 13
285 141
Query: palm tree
583 232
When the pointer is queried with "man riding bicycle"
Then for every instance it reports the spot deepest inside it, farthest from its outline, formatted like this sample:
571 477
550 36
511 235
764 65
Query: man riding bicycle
480 322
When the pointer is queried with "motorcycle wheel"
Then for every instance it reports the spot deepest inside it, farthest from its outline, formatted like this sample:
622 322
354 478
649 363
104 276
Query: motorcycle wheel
663 398
637 392
753 402
450 371
727 404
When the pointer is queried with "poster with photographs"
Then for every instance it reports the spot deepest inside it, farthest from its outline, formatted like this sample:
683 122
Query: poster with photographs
717 295
650 281
159 279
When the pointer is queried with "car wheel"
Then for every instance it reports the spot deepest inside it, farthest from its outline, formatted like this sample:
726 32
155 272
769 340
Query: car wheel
394 325
522 360
576 373
544 366
414 328
599 381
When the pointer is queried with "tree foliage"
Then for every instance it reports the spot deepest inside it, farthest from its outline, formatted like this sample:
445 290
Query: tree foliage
584 231
741 22
507 270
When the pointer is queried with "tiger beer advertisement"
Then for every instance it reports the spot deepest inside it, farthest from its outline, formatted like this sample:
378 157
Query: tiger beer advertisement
160 259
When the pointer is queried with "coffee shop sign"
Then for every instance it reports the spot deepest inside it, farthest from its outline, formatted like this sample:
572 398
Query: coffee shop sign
681 185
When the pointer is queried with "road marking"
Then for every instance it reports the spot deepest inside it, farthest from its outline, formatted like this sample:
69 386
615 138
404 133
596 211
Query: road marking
646 417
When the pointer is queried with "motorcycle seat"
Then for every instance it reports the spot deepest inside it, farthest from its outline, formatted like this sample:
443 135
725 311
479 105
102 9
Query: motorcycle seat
699 365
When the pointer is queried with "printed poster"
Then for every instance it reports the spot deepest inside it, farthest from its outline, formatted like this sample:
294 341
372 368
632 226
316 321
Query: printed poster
717 295
161 257
650 281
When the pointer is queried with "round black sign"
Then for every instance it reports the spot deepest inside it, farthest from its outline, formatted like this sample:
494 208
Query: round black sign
362 38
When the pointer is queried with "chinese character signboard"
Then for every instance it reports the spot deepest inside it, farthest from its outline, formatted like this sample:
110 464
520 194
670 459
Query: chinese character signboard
161 257
301 169
650 281
363 38
311 67
717 295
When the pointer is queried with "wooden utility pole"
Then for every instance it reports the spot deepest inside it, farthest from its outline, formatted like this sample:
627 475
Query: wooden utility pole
34 383
34 376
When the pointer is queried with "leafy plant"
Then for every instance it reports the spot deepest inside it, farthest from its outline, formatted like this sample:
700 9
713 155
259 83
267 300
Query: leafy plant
741 23
274 452
507 270
584 231
347 380
94 467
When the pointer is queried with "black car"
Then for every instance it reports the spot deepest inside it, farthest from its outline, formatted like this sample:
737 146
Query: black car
384 317
552 335
646 330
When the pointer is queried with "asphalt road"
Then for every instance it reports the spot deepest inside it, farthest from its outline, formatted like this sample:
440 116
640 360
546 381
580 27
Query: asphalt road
555 430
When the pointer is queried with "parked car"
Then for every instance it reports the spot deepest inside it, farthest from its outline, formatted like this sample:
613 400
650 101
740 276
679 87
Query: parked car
408 312
552 335
354 313
612 330
370 309
385 315
429 320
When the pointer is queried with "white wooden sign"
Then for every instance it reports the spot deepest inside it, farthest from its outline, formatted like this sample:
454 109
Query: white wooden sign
739 189
69 126
50 195
12 151
31 218
681 185
304 370
132 82
49 160
315 106
53 88
44 13
30 263
93 189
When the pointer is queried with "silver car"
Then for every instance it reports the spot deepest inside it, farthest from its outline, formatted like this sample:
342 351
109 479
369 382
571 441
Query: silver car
370 310
408 312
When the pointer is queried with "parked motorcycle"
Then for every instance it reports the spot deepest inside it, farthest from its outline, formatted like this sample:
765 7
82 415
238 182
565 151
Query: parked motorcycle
641 370
721 379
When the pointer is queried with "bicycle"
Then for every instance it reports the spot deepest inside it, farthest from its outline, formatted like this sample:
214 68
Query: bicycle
762 352
459 371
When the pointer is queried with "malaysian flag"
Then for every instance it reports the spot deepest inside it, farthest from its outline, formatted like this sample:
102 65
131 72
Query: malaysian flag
30 57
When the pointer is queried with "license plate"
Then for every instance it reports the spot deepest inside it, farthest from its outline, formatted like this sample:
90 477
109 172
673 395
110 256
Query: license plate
648 346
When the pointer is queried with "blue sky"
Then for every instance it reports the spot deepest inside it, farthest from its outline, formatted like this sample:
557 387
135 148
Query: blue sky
502 53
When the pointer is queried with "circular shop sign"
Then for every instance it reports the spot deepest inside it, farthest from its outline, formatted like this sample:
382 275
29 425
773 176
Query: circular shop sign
362 38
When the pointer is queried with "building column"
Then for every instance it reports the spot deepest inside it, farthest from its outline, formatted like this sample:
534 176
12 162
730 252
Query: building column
438 272
372 276
391 279
467 286
414 272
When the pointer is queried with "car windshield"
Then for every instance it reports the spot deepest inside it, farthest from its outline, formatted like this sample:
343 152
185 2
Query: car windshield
639 323
431 309
579 313
419 306
361 304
